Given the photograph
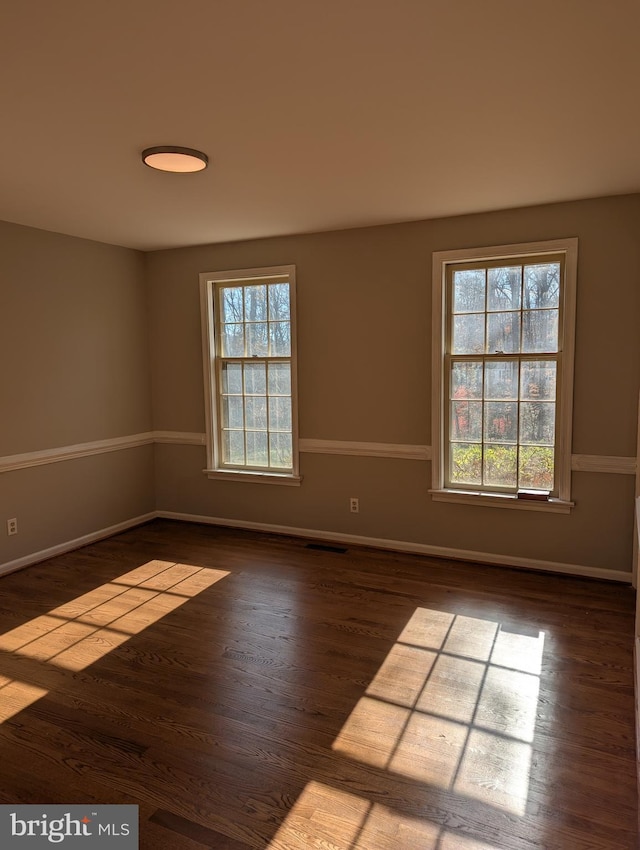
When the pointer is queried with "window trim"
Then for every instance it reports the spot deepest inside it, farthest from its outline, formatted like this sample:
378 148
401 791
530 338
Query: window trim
208 314
441 262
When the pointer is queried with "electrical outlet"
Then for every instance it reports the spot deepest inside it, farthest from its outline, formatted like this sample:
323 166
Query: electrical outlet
12 526
354 505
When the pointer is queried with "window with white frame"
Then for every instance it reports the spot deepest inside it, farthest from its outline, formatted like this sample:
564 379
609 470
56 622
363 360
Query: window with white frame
503 337
250 373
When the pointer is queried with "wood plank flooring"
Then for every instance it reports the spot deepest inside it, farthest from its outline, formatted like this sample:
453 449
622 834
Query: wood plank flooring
247 691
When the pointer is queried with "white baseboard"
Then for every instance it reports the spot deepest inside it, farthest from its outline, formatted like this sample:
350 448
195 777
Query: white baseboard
70 545
319 534
413 548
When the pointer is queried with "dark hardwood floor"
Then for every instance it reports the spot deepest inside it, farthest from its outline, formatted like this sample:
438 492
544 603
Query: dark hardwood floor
247 691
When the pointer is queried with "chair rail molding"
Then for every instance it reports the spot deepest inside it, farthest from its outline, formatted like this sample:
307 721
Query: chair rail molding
402 451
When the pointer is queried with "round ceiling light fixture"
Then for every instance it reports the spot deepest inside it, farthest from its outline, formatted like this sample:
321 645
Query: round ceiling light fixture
174 158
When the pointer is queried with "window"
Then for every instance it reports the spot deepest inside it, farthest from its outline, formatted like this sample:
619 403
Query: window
250 374
503 374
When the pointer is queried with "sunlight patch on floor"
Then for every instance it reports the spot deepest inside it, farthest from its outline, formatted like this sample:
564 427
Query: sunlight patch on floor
453 705
84 630
15 696
327 818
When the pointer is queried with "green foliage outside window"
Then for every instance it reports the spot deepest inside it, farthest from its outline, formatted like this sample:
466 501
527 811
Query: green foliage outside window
536 465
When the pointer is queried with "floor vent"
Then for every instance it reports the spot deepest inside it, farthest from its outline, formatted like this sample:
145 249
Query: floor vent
325 547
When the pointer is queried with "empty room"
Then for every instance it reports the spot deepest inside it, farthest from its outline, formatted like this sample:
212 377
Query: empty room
319 425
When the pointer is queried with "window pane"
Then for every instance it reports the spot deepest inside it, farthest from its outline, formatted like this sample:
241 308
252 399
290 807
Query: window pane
257 452
231 302
501 379
466 380
536 468
502 347
251 370
279 379
538 422
505 285
279 309
255 378
468 291
468 334
232 340
466 463
541 286
257 343
232 412
280 339
233 447
255 303
466 420
501 422
538 380
232 378
500 466
280 450
255 411
539 330
280 414
504 333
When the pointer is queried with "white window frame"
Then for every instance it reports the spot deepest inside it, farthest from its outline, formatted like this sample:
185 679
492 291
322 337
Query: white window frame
209 282
562 470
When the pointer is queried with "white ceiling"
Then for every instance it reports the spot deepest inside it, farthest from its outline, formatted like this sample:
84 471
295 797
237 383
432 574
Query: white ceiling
316 114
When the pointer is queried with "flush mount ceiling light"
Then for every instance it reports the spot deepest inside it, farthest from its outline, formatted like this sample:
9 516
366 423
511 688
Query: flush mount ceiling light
176 159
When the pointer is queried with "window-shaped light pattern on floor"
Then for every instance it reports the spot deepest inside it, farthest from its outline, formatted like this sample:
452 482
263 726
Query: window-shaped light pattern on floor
453 705
451 710
80 632
322 812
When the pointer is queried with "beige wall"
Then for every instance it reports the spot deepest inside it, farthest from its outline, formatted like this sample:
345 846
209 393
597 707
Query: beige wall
75 369
77 322
364 327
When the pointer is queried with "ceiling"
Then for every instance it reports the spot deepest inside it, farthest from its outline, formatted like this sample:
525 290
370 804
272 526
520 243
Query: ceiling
315 114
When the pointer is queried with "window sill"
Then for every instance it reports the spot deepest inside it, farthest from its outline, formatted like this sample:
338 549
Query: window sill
252 477
495 500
